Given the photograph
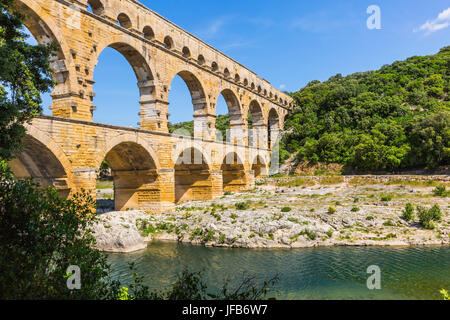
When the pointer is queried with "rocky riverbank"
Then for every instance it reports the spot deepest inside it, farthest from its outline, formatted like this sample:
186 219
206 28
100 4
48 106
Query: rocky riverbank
289 213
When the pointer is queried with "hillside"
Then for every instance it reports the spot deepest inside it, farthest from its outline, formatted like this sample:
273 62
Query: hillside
395 118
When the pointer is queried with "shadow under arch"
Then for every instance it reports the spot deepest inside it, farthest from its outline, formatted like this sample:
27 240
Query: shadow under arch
193 179
234 178
135 175
44 163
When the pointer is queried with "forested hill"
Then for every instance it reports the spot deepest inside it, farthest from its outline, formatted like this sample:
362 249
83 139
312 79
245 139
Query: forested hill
392 119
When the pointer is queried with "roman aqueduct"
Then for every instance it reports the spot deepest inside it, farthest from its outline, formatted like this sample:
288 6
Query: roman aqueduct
65 150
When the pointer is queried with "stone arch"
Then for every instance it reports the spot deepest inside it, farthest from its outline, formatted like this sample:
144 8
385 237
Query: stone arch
42 159
214 66
168 43
273 127
226 73
97 6
201 60
186 52
199 100
144 76
135 172
259 167
45 31
237 78
258 128
193 179
245 82
124 21
234 178
237 123
148 32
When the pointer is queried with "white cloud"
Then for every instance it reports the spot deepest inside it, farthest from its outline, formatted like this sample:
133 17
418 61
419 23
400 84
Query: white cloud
282 86
441 22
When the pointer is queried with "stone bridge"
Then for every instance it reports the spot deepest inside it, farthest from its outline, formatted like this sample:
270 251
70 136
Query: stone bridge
152 169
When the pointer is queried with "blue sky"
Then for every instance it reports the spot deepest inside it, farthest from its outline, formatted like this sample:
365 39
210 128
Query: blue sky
288 42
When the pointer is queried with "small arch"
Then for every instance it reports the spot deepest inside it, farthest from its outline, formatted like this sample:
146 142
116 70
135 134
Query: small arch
124 21
252 86
148 33
96 6
226 73
214 66
237 78
186 52
193 180
201 60
259 167
245 82
259 89
271 95
265 92
168 43
233 173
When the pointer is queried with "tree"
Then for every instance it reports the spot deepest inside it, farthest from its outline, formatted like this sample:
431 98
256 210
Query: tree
24 75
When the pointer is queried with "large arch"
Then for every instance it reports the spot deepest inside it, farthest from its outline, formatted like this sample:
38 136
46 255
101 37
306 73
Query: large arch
135 173
144 76
46 31
198 99
234 178
193 180
44 161
273 128
257 127
237 124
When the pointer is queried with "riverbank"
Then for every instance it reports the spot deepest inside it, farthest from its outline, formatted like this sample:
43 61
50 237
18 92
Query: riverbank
290 213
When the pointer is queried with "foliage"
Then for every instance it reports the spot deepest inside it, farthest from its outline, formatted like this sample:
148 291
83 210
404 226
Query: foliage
24 74
445 295
395 118
242 205
331 210
441 191
286 209
408 213
427 216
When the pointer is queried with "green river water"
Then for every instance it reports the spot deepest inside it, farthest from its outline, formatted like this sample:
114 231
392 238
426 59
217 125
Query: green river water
316 273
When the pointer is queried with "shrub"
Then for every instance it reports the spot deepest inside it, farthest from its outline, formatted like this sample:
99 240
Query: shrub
386 197
427 216
286 209
309 233
408 213
330 233
242 205
441 191
355 209
370 218
331 210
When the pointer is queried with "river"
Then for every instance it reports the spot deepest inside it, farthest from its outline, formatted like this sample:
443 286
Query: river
316 273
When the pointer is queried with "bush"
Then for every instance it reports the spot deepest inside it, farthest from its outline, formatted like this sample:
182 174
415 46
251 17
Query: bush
355 209
331 210
441 191
286 209
427 216
242 205
386 197
408 213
